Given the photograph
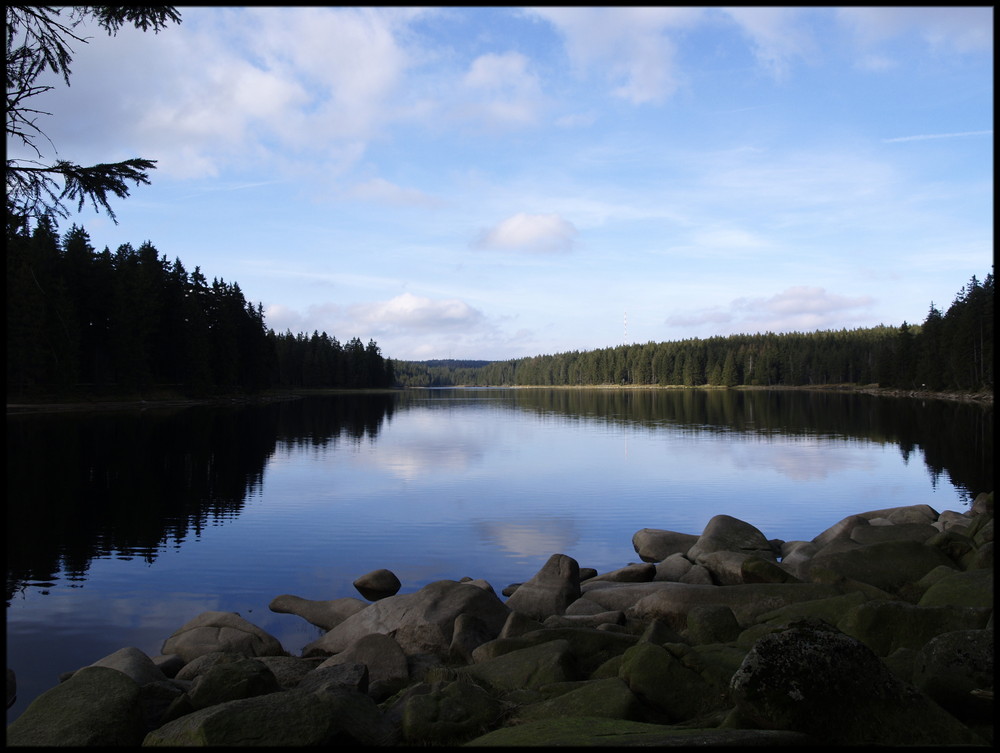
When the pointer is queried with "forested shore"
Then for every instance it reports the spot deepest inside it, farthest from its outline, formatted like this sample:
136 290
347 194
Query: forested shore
951 351
103 326
128 324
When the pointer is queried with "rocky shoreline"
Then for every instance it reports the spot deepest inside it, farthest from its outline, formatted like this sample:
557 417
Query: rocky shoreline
879 631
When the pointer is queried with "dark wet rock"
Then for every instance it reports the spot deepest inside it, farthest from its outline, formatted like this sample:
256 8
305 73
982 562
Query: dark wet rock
449 713
378 584
232 681
951 666
885 626
887 640
285 719
97 706
581 731
791 680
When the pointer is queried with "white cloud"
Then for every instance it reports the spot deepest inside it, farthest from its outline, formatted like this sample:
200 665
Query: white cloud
777 36
630 45
383 191
502 90
947 29
797 309
408 312
927 136
530 232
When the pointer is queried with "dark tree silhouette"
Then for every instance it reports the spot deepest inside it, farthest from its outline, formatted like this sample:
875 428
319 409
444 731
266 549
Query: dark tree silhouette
40 39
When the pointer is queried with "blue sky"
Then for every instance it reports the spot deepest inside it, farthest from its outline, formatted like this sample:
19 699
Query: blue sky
495 183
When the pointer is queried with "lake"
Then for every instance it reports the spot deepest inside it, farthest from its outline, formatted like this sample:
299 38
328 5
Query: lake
122 526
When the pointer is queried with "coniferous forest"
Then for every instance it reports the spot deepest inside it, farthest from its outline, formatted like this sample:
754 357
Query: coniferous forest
81 322
951 351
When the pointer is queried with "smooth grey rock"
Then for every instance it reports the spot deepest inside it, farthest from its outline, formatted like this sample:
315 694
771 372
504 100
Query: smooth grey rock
632 573
888 565
728 534
221 631
553 588
518 623
134 663
726 568
201 664
655 545
672 601
673 568
323 614
874 534
839 530
97 706
530 667
712 623
469 633
387 668
420 622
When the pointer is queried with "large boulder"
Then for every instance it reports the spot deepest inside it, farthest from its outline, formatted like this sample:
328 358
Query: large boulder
811 678
290 718
588 731
530 667
386 662
886 626
221 631
971 588
672 601
448 713
609 697
951 666
420 622
134 663
655 545
550 590
728 534
661 680
97 706
230 681
323 614
888 565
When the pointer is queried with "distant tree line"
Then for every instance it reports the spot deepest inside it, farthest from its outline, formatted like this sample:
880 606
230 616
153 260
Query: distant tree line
950 351
81 321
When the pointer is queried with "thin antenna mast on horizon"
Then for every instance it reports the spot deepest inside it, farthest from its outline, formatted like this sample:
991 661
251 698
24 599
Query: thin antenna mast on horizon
625 339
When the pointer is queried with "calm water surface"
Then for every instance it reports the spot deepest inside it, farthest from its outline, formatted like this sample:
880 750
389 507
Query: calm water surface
121 528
